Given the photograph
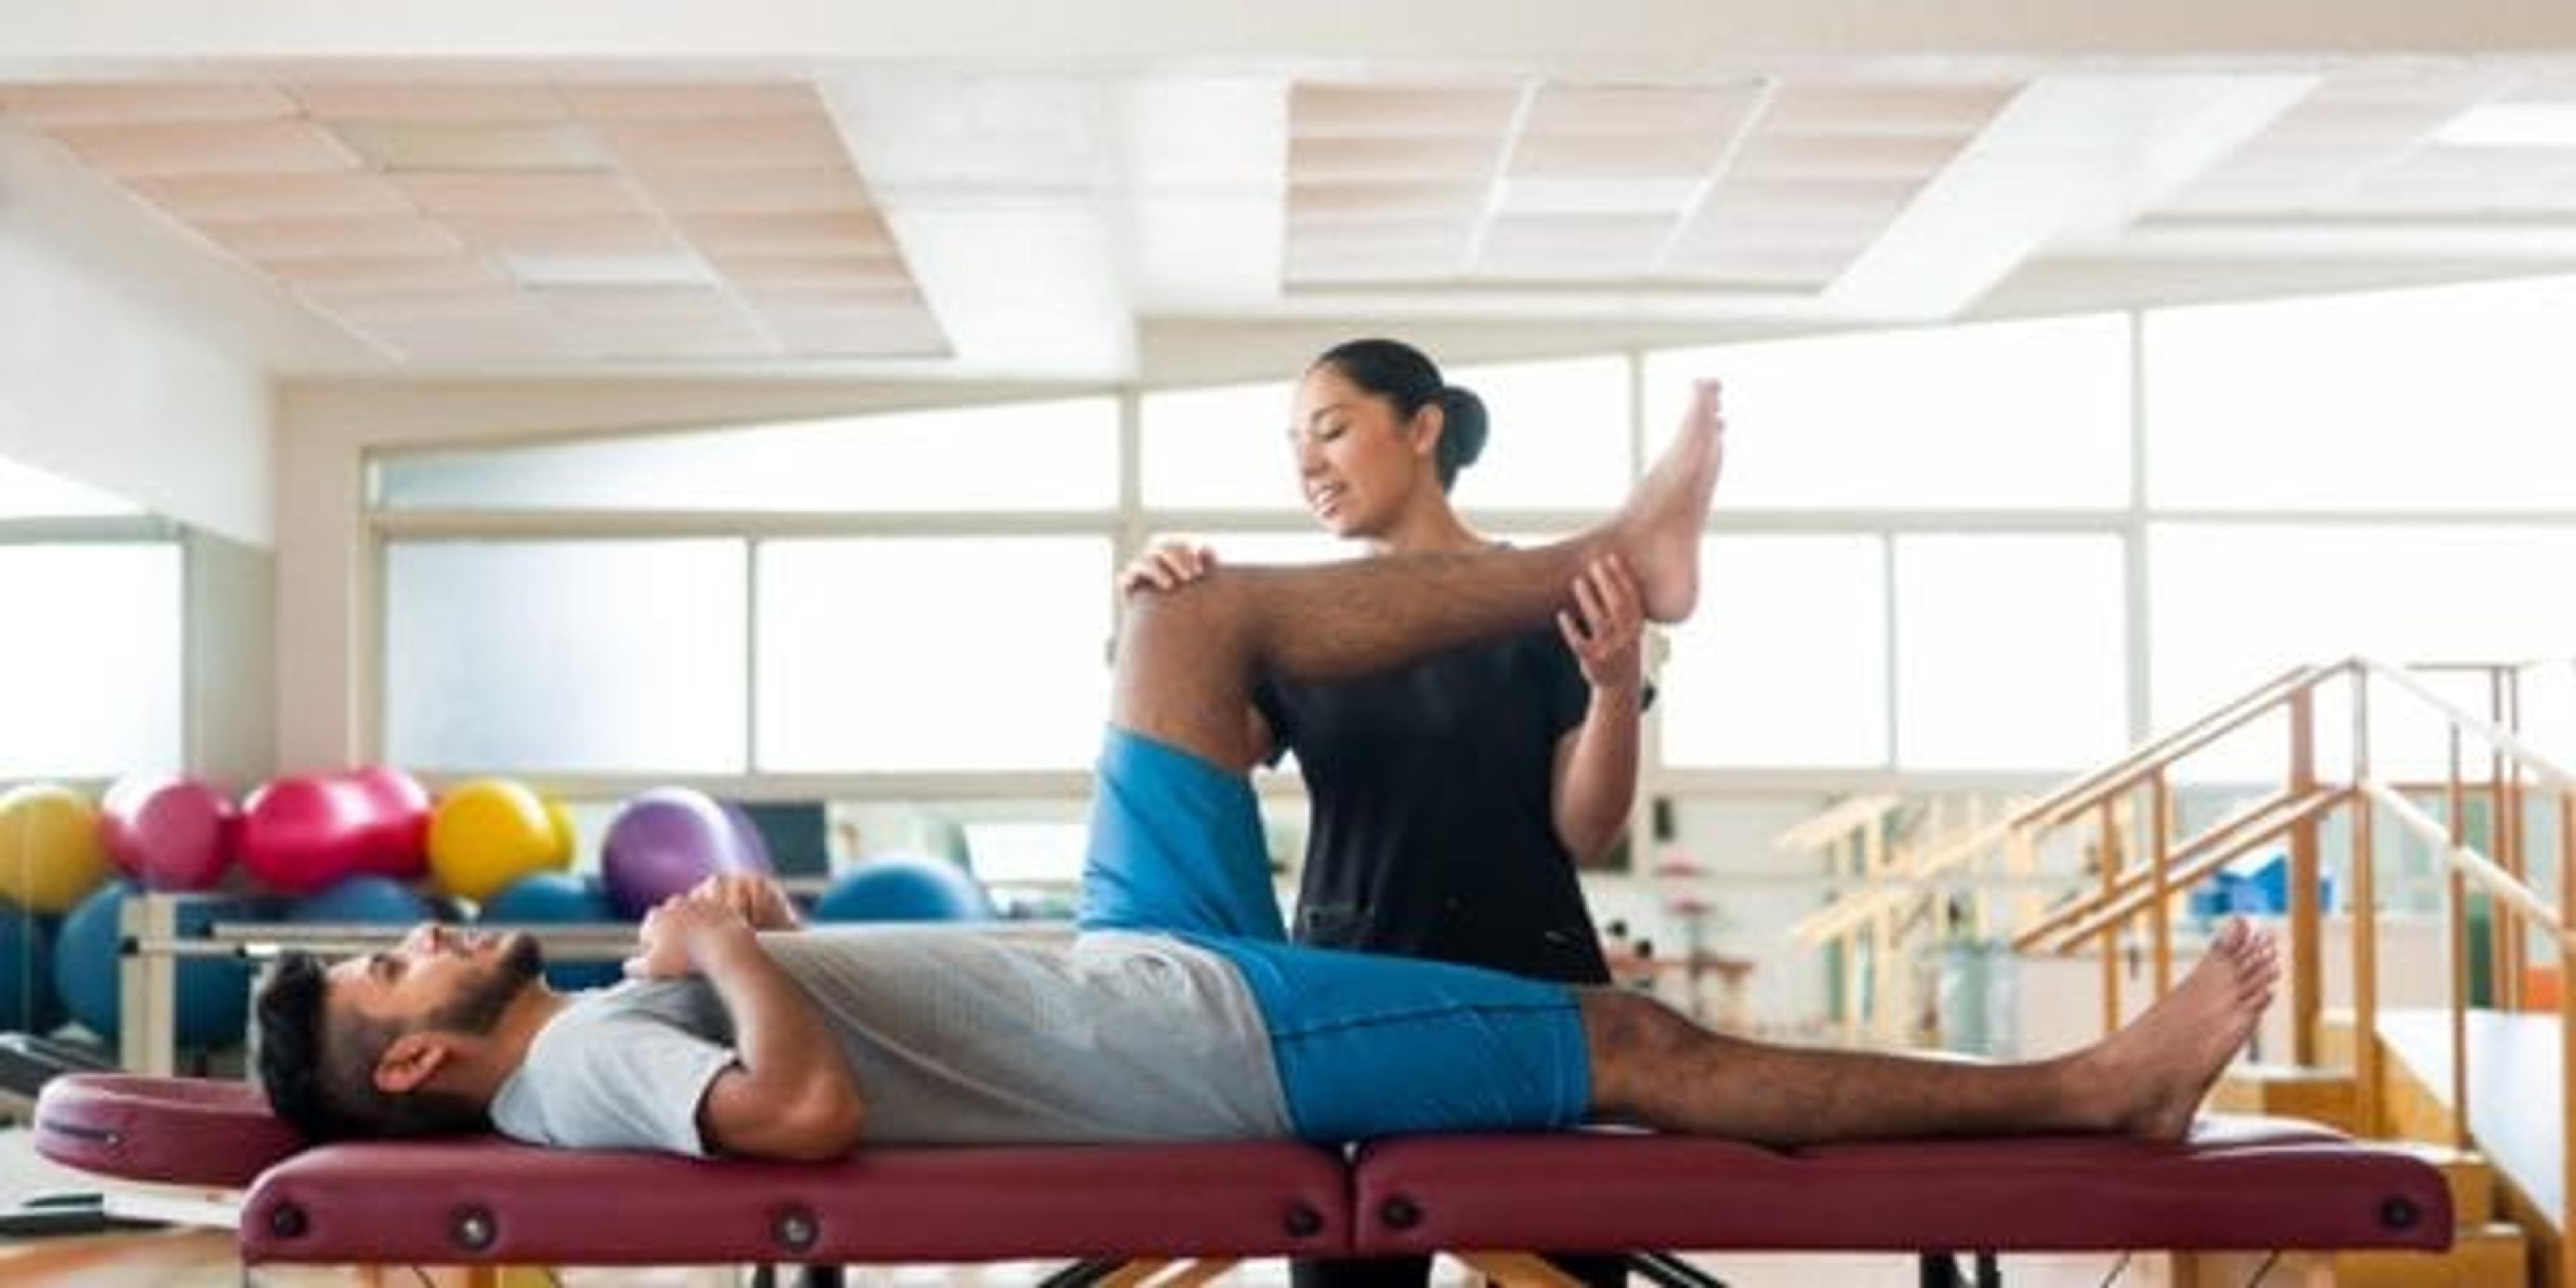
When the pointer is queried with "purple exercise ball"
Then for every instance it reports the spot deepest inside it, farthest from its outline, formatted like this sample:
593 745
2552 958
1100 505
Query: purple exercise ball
666 840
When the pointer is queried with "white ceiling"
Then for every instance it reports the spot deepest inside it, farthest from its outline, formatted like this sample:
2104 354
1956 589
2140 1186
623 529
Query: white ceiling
1001 189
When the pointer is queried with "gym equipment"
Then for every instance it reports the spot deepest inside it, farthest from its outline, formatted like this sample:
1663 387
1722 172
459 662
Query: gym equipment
490 832
904 887
49 850
301 834
557 898
2236 1184
213 993
397 831
662 842
169 833
363 899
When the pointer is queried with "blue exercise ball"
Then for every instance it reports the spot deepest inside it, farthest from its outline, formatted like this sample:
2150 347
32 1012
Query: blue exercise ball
27 1001
366 900
553 899
214 992
904 887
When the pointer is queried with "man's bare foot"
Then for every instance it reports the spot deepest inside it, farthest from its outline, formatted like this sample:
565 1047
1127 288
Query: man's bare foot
1658 531
2154 1073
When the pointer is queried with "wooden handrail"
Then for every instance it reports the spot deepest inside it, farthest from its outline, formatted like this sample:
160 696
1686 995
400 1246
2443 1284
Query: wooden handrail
2503 740
2090 898
1839 916
1829 826
2190 862
2468 862
2121 774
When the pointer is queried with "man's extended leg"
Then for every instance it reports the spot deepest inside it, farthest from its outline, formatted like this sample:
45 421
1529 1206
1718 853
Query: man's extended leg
1187 659
1653 1067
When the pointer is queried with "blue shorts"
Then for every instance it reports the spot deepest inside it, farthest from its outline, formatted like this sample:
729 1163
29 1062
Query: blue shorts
1365 1045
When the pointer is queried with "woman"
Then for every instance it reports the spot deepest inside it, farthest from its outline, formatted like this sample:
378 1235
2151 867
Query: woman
1453 801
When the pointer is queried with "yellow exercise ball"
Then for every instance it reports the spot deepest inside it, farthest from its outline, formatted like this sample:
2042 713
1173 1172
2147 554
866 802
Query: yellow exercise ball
488 833
50 854
564 835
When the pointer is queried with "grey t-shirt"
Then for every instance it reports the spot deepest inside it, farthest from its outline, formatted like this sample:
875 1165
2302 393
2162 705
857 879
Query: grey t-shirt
956 1037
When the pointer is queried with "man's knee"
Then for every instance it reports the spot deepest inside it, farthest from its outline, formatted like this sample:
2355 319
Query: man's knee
1193 617
1633 1041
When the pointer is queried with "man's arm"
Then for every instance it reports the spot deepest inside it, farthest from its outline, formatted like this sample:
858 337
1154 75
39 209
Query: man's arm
790 1094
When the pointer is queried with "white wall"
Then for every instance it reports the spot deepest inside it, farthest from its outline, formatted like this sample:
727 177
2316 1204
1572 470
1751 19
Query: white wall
104 388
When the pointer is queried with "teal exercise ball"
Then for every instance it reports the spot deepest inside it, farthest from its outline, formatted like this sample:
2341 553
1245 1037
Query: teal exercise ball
366 900
27 1000
213 992
555 899
905 887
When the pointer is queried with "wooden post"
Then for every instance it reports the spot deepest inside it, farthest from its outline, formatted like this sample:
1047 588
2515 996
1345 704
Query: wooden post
2110 863
2458 886
2366 1070
2307 967
2567 1041
2160 907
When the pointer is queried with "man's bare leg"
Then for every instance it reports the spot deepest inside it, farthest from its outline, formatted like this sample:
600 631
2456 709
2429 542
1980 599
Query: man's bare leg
1653 1067
1188 658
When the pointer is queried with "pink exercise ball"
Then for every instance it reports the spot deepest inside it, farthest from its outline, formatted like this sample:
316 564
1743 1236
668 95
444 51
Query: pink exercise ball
397 843
302 834
169 833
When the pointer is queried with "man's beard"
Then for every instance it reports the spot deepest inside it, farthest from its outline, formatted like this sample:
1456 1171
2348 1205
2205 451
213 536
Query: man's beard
480 1008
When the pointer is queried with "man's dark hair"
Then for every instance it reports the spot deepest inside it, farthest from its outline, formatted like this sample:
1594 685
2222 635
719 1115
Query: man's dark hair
320 1075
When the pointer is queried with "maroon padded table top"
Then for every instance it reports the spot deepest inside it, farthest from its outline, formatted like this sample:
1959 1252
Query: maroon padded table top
178 1131
2238 1183
487 1199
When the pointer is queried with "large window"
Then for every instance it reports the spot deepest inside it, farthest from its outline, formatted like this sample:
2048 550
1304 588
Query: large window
90 659
2450 398
1786 662
921 654
570 656
2006 549
2012 652
2001 416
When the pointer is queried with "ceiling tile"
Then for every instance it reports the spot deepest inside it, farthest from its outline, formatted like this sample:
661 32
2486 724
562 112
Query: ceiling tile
1389 111
215 147
53 106
520 192
409 103
254 196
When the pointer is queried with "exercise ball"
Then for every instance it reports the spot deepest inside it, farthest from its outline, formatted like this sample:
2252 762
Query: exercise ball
213 992
662 842
301 834
169 833
27 1002
397 825
363 899
49 850
488 833
565 835
554 899
904 887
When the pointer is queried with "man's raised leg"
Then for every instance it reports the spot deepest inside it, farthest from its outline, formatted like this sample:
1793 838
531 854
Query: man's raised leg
1653 1067
1187 659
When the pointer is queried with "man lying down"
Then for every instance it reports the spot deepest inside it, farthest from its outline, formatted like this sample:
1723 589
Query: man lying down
1179 1011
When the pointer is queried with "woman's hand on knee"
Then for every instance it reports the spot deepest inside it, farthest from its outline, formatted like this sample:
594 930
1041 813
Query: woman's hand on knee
1167 565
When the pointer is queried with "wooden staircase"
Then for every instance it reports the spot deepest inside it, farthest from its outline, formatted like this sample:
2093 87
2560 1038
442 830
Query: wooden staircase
2504 1239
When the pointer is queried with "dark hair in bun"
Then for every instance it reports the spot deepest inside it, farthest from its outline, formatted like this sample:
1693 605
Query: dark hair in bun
1409 381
